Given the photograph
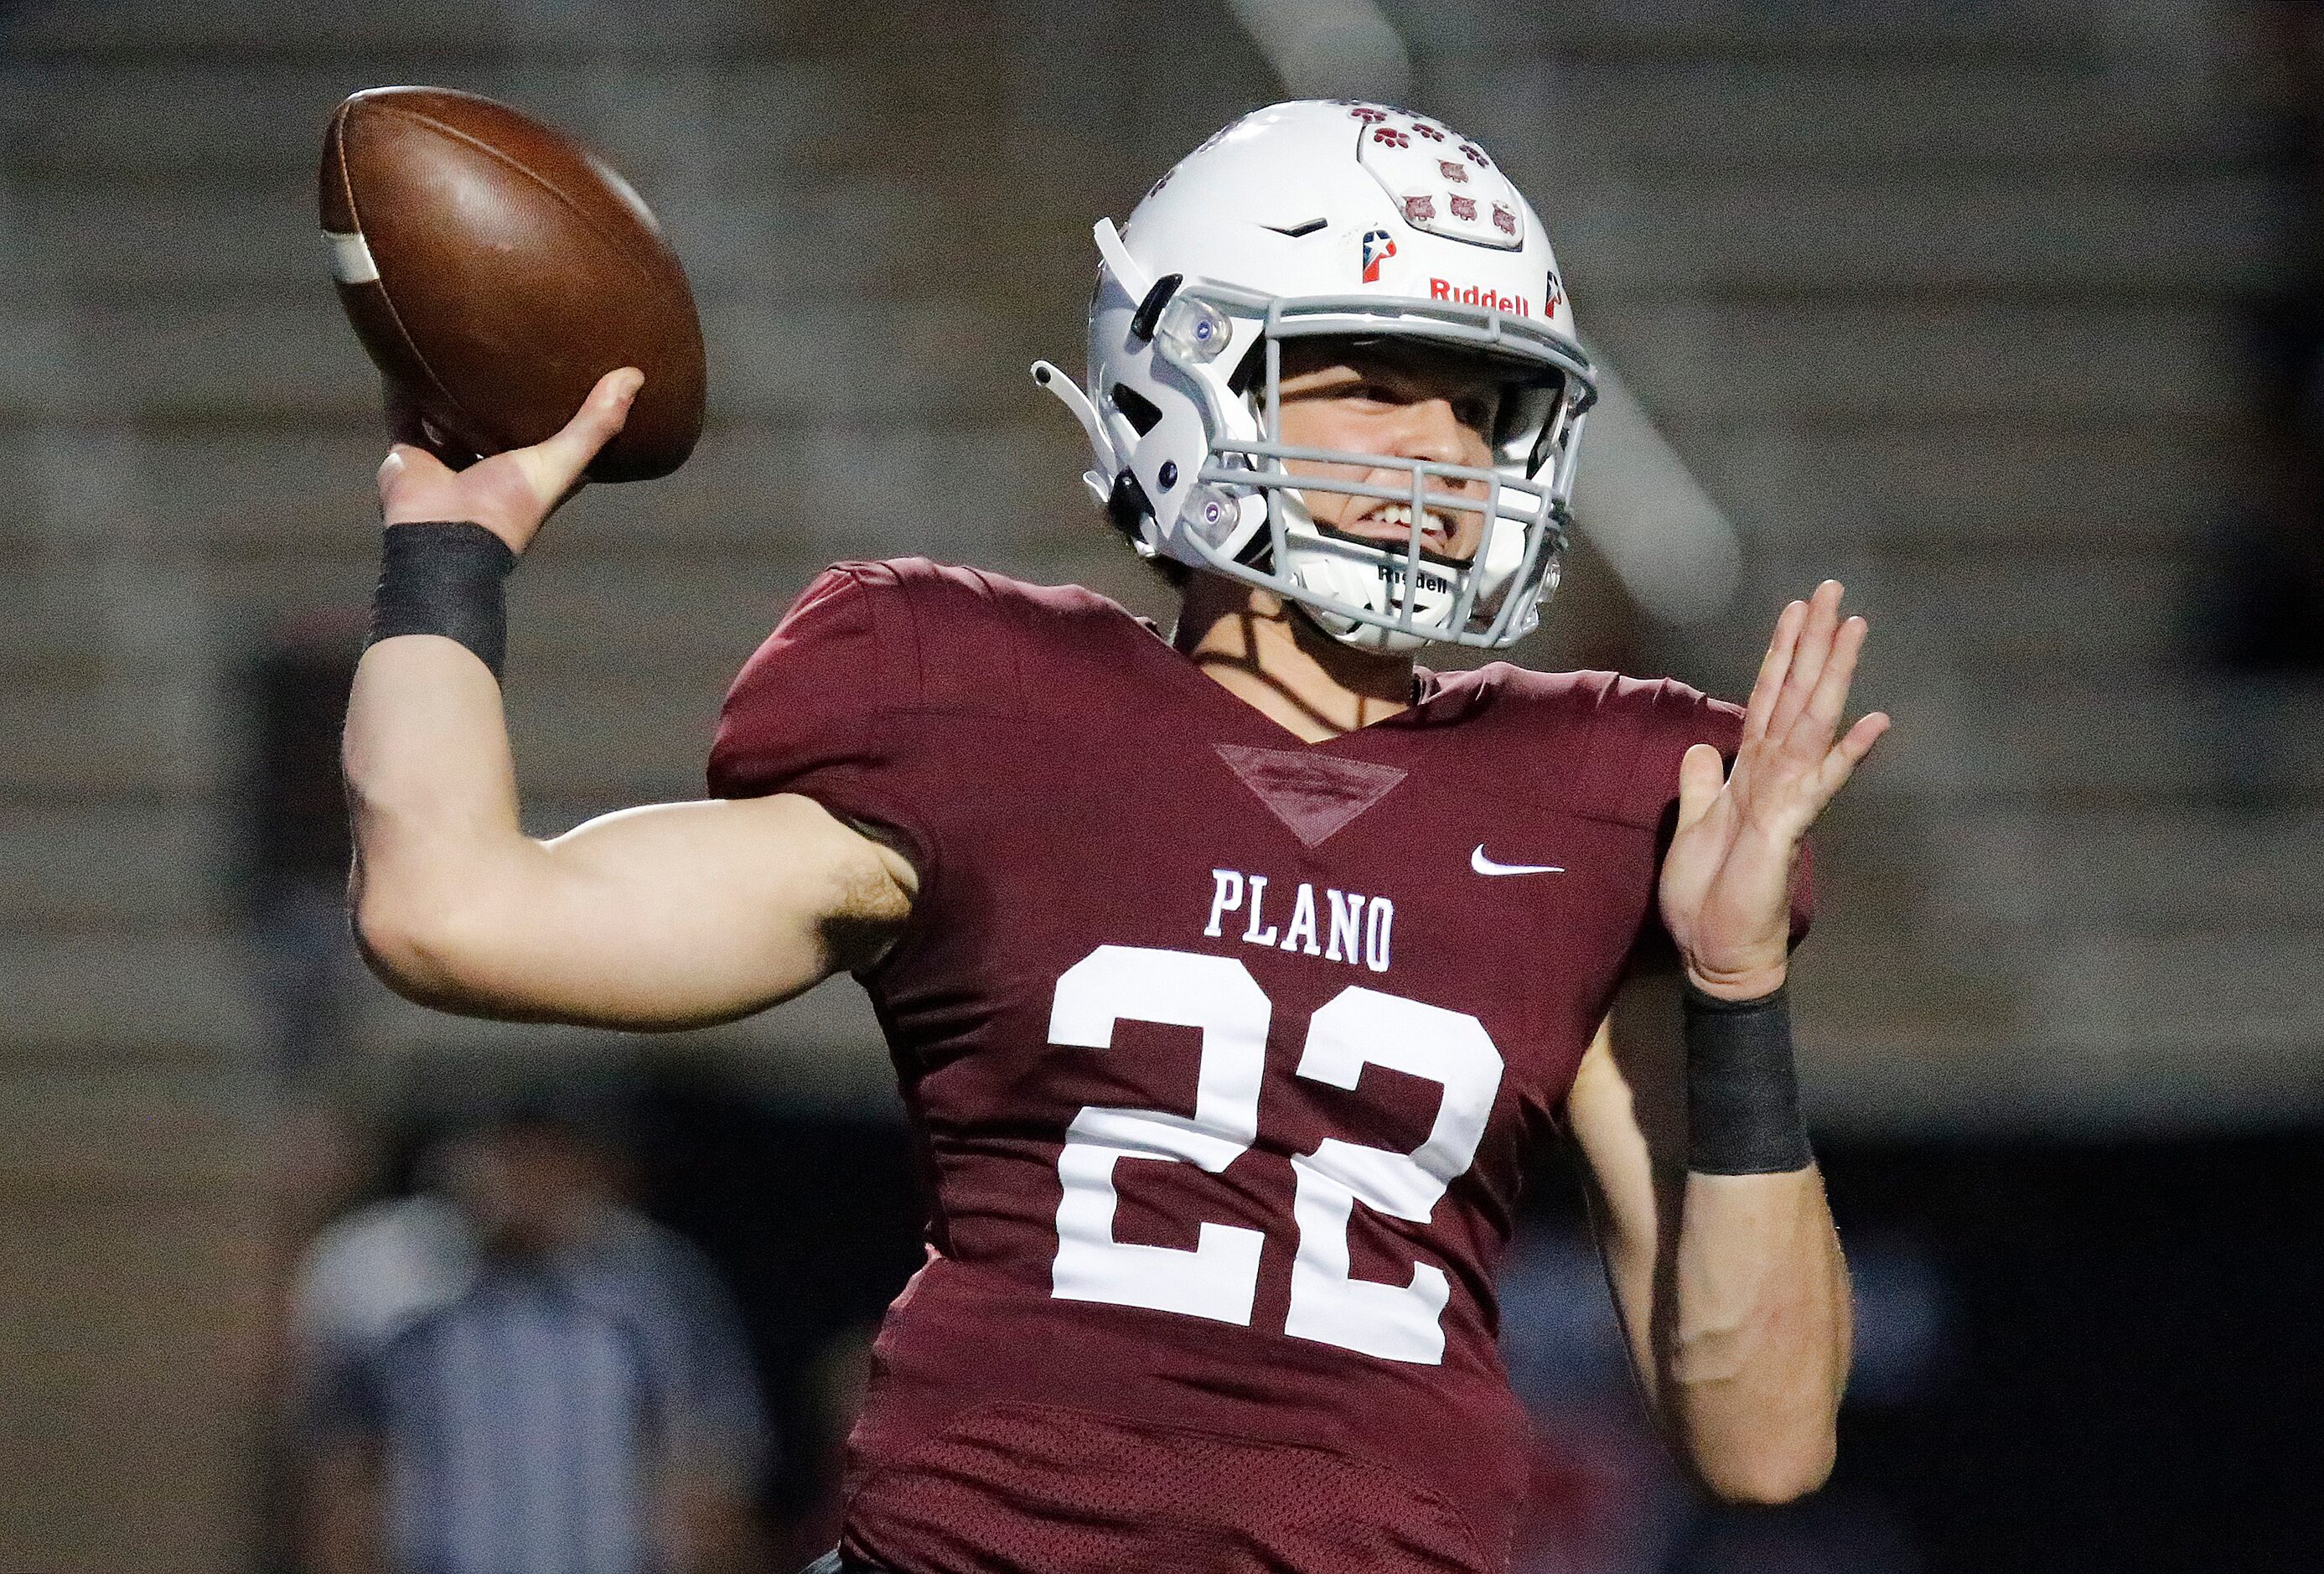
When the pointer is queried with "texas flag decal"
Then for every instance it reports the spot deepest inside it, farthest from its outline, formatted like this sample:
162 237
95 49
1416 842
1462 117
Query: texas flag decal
1379 247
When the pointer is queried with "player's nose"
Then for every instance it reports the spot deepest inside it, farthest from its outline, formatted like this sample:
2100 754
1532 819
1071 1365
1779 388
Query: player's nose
1428 429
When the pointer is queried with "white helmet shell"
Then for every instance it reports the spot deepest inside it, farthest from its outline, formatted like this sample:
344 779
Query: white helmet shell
1350 220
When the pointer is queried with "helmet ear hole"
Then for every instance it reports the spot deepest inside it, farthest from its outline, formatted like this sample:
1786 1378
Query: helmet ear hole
1141 412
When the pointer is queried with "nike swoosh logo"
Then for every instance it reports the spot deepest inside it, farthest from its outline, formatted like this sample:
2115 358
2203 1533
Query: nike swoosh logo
1483 865
1298 230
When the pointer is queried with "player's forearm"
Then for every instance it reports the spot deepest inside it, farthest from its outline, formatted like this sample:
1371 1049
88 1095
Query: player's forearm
431 791
1757 1354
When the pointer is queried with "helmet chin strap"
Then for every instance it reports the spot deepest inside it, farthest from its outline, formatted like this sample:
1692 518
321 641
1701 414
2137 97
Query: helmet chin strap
1367 581
1366 637
1350 635
1351 579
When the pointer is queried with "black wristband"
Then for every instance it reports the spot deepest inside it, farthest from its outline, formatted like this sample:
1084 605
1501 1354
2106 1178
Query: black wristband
1742 1094
447 579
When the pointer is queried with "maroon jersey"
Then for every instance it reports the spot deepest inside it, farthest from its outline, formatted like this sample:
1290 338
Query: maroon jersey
1224 1050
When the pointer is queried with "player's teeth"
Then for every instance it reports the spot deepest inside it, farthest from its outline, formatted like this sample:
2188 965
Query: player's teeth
1400 515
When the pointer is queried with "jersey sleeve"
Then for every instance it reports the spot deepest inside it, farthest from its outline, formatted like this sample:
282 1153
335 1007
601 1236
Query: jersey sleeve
1676 721
823 707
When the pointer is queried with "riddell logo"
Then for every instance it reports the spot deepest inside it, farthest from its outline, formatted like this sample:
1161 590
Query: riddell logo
1379 247
1444 289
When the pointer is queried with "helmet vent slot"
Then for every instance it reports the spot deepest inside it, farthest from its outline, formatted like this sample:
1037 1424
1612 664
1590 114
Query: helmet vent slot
1149 310
1140 411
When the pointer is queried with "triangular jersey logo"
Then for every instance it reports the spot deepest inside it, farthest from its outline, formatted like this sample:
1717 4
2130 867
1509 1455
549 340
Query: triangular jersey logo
1312 794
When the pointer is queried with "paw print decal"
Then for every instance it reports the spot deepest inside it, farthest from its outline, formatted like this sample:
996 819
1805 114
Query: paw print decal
1438 180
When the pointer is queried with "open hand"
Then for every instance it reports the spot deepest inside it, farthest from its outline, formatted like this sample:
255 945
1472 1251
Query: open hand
510 494
1725 881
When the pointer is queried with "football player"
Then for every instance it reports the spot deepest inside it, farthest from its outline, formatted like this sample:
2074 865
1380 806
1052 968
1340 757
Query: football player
1228 974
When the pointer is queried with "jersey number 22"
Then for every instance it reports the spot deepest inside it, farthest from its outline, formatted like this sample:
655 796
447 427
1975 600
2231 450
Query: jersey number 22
1219 1276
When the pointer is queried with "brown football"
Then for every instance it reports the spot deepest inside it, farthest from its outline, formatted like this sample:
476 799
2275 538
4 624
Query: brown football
495 269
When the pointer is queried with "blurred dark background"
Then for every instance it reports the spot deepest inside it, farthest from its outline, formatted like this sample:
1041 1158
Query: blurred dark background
2010 312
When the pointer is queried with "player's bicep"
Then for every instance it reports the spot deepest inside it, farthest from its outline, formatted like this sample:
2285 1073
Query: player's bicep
673 916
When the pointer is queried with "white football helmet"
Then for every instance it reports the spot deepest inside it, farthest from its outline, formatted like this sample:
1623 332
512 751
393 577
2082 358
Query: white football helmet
1356 221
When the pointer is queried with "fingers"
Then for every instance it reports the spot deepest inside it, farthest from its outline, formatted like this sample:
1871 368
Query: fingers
1869 729
1812 732
1799 704
553 467
404 465
1700 775
1773 668
1846 754
1808 659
